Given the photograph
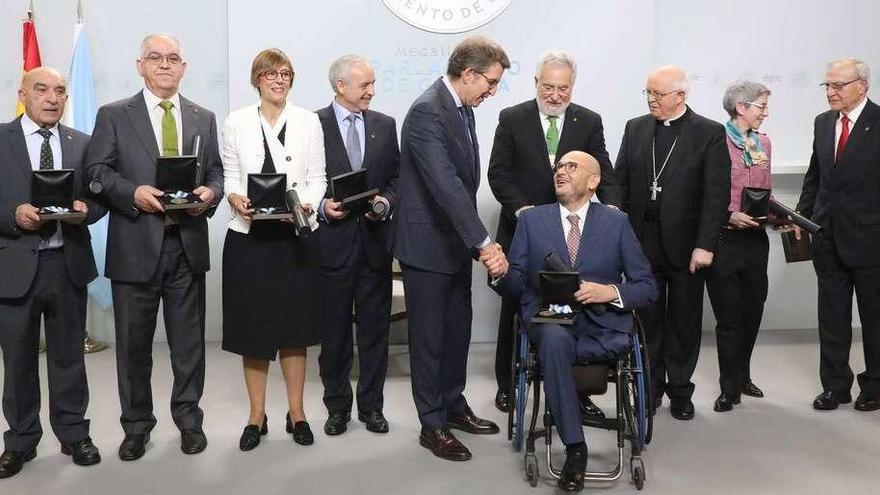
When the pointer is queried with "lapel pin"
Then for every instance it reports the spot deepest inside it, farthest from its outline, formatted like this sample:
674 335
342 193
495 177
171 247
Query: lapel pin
867 128
574 119
372 136
288 158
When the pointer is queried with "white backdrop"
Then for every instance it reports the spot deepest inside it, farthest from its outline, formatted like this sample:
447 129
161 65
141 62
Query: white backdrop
784 43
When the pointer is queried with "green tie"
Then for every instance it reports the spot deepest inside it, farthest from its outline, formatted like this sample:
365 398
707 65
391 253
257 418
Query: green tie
552 135
169 130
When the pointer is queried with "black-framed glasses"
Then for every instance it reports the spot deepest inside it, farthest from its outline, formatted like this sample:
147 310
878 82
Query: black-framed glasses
569 167
657 96
837 86
764 107
271 75
492 82
171 58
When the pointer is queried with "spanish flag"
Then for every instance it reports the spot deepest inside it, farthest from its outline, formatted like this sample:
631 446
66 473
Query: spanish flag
31 50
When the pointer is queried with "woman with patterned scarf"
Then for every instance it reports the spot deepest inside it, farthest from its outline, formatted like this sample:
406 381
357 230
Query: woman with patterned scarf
737 280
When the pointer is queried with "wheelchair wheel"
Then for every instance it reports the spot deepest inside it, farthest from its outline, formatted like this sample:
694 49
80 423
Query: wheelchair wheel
638 473
647 387
531 469
517 415
640 398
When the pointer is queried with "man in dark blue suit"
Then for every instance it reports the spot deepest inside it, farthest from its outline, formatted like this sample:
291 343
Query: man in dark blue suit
437 233
355 262
607 251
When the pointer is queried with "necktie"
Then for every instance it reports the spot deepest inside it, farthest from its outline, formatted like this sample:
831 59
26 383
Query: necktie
47 162
353 143
552 135
573 241
844 137
169 130
466 122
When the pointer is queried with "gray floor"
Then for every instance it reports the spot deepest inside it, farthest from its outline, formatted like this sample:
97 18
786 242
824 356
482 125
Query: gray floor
775 445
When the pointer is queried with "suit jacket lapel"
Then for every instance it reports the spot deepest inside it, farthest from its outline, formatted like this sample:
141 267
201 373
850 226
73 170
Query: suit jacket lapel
369 138
681 153
552 223
453 119
138 116
66 142
825 138
190 117
570 127
19 146
593 226
860 130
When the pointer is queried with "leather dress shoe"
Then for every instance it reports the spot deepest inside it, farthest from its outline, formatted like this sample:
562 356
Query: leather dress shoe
302 433
250 437
11 461
442 443
133 446
83 451
572 477
468 422
725 402
865 402
752 390
589 410
337 422
829 400
503 401
192 441
681 409
374 421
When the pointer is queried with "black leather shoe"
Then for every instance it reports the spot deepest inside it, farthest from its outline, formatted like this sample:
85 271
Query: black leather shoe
865 402
572 477
192 442
829 400
681 409
337 422
468 422
83 451
302 433
442 443
250 437
502 401
133 446
589 410
752 390
11 462
374 420
725 402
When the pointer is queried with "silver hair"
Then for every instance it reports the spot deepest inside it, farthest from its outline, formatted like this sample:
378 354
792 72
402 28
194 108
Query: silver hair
153 36
557 57
862 70
341 68
742 92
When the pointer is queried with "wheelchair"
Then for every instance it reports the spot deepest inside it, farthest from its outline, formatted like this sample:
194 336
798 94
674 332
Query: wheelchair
633 419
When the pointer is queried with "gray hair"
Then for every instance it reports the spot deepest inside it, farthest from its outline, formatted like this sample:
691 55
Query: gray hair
742 92
556 57
341 67
153 36
862 70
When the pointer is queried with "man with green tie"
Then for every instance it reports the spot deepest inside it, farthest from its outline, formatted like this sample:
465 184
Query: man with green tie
152 254
528 139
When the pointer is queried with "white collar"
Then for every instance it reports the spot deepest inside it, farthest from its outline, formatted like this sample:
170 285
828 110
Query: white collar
545 116
451 89
853 115
153 101
581 213
29 127
668 122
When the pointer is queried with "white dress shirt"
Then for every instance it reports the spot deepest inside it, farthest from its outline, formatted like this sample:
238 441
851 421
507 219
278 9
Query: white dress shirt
853 118
566 228
34 143
156 113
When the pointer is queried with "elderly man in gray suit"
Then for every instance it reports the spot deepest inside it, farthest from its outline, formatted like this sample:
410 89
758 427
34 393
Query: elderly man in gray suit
46 266
152 254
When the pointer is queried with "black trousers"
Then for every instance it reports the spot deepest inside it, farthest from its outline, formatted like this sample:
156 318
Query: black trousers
836 284
53 297
737 286
673 324
507 341
135 307
369 290
438 307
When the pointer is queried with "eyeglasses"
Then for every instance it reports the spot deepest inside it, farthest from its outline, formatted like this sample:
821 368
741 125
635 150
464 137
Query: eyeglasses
837 86
569 167
271 75
549 90
763 106
492 82
156 58
657 96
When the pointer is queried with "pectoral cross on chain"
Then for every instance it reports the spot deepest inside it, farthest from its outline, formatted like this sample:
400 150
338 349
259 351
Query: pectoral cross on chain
654 190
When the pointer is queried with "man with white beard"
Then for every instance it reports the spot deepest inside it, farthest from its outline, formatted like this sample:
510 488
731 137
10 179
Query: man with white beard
528 139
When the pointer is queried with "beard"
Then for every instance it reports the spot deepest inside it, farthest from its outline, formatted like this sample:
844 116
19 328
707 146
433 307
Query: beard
554 110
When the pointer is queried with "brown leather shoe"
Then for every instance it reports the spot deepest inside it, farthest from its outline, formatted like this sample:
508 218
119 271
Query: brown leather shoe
468 422
442 443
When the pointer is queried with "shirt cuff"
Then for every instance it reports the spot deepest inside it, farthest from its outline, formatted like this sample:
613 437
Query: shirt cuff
617 302
321 211
485 242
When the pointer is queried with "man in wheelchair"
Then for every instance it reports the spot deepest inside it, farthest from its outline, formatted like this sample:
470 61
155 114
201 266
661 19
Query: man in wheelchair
615 278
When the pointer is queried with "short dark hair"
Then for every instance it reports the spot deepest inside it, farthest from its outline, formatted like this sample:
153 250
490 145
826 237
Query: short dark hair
268 59
478 53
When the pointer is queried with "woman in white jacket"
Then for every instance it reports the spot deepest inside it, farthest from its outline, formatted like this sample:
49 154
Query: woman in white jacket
271 277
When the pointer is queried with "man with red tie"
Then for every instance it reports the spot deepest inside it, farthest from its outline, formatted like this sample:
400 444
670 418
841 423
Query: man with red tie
840 193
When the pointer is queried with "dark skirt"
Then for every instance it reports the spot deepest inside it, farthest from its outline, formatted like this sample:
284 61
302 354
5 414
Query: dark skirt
271 283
